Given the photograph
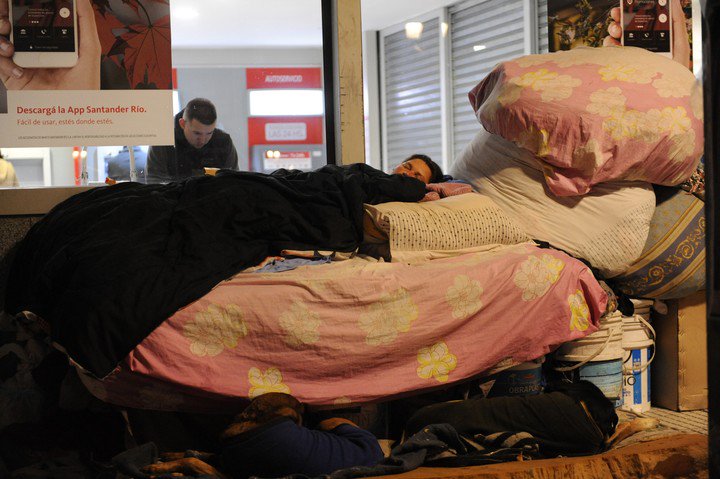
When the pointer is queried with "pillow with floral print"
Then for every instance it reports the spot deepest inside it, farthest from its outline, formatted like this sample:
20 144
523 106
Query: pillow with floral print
597 114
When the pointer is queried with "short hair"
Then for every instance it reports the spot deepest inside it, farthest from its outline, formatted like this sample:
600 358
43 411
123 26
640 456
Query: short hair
200 109
436 174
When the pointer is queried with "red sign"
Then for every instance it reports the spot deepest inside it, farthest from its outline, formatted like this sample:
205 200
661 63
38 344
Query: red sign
285 130
283 78
292 160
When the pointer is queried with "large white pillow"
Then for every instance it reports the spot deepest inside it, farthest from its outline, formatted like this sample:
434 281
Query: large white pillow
607 227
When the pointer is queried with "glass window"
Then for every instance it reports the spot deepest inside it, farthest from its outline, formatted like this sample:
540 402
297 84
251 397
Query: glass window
412 92
430 64
482 35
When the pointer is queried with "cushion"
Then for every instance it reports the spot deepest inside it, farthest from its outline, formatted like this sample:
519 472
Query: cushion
453 224
595 115
607 227
672 264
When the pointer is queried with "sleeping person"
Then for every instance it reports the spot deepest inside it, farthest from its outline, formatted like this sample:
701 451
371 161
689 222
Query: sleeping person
420 167
438 186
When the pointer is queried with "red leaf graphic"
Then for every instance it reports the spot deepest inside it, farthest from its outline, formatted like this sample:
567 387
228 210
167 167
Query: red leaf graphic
147 54
101 6
106 23
134 4
137 5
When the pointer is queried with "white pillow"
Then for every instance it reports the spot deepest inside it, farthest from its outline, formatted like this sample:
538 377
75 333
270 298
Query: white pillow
453 224
607 227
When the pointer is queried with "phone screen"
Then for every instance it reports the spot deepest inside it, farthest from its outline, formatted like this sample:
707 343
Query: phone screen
43 25
646 24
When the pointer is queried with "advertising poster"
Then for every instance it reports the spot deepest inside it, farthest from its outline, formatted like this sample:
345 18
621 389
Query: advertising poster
85 72
646 23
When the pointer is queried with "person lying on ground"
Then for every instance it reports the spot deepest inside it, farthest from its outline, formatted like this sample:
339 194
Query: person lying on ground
268 439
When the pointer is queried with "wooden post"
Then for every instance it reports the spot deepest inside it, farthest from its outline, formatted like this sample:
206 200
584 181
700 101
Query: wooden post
342 65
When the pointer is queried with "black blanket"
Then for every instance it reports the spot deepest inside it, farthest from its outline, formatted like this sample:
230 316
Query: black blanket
107 266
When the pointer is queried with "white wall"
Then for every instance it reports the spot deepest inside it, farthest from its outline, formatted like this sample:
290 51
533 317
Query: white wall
371 98
247 57
62 166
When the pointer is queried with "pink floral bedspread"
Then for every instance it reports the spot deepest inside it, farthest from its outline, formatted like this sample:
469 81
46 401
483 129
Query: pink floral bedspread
359 331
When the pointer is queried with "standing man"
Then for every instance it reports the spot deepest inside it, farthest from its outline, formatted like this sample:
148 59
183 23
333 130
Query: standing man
198 144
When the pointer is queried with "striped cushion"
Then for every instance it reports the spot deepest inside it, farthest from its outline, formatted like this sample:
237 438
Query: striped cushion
672 264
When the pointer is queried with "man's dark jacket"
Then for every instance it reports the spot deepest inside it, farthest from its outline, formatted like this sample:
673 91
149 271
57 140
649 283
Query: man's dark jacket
175 163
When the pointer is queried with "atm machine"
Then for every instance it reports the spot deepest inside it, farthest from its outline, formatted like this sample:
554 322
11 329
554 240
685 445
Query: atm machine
285 125
268 158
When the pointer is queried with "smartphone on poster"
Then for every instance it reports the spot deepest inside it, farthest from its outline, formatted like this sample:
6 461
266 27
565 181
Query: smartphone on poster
44 33
647 24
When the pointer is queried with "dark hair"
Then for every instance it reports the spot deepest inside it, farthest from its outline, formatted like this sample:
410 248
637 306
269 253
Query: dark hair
436 174
200 109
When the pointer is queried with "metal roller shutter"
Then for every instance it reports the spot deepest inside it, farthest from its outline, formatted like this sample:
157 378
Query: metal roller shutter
482 35
412 95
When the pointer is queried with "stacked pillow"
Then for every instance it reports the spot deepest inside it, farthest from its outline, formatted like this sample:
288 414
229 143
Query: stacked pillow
607 227
672 263
594 115
452 225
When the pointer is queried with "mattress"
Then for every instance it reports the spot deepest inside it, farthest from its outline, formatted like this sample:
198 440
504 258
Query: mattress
358 331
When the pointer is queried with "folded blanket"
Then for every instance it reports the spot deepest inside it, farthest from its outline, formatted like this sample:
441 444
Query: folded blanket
443 190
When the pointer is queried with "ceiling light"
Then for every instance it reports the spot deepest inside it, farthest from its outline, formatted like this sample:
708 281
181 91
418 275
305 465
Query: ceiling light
185 13
478 48
413 30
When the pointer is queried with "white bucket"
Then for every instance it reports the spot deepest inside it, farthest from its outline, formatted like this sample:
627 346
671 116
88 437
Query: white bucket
638 340
605 344
636 381
606 375
637 333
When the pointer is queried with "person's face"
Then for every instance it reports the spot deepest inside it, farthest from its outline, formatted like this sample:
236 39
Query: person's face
196 133
415 168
